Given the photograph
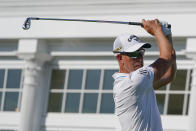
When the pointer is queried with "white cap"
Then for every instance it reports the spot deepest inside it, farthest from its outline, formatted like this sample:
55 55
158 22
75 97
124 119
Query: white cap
128 43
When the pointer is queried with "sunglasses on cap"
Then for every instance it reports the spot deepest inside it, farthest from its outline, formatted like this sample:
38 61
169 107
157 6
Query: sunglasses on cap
135 54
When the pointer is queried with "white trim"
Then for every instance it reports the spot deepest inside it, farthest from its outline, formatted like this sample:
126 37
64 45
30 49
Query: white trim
12 64
166 99
93 30
105 64
4 90
82 91
171 92
175 122
88 53
100 91
21 89
8 53
9 120
81 122
102 53
72 8
102 122
87 122
110 91
18 3
64 92
11 90
188 75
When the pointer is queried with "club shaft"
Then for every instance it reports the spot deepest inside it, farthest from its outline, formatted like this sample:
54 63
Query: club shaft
84 20
28 21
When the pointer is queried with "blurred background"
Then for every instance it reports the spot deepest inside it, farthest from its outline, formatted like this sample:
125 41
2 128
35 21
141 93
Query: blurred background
57 76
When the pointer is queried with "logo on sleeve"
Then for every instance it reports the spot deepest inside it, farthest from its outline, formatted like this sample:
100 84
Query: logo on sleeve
144 72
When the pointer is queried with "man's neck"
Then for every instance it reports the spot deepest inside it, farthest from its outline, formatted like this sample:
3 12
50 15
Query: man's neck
122 70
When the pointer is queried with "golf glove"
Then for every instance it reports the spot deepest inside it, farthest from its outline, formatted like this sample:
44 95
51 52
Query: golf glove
165 29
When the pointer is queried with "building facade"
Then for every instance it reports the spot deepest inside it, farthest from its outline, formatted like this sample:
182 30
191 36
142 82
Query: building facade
56 76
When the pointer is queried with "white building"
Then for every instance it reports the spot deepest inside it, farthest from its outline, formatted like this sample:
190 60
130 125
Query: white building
56 76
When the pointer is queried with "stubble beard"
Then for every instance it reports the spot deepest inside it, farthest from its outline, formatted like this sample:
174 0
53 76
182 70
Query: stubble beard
137 65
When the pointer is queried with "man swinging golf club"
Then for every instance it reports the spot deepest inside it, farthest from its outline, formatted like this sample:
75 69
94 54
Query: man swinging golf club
134 97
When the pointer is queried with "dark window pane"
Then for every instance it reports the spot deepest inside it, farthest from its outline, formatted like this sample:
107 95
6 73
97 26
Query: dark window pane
162 88
11 101
107 103
175 105
0 99
58 78
90 103
75 79
72 102
2 74
14 77
160 102
93 79
180 81
108 79
55 102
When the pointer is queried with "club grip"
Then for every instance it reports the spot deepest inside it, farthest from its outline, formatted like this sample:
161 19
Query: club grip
140 24
135 23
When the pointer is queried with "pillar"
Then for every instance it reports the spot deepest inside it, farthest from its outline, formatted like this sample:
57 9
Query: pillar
191 53
35 86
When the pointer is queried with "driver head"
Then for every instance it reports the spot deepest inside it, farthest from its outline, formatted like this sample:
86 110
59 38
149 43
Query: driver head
27 24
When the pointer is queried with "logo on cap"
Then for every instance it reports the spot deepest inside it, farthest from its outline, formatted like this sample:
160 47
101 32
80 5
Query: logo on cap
132 37
118 49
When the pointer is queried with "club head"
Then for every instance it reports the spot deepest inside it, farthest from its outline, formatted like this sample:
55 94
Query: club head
27 24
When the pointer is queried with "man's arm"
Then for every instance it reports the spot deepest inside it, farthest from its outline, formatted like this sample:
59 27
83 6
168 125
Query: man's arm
167 56
169 76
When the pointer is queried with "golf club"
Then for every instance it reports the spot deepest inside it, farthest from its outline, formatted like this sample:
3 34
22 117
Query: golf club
27 23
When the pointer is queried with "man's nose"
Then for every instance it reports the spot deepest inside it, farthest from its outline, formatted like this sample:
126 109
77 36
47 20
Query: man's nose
138 58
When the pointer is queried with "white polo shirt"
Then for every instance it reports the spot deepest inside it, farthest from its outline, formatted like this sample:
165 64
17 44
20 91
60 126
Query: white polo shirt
135 100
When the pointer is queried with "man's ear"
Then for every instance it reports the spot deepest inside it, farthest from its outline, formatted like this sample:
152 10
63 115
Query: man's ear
119 57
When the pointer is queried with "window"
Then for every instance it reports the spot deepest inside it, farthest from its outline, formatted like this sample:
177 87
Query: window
174 98
81 91
10 89
90 91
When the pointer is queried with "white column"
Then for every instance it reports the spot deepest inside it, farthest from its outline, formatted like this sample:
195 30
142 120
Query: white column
191 53
35 87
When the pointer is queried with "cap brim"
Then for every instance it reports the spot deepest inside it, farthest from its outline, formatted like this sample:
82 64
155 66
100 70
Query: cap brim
147 45
138 46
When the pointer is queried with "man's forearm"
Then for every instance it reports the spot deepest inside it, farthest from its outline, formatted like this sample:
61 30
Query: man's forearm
165 47
171 72
172 68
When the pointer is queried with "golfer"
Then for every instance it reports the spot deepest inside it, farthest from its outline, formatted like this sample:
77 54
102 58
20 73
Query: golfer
134 84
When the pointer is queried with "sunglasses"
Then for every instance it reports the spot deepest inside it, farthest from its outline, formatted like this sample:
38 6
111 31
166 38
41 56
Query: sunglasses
136 54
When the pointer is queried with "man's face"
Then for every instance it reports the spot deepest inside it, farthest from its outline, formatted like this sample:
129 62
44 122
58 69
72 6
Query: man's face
131 64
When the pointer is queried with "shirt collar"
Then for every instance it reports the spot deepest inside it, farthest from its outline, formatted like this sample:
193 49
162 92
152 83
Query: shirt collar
118 75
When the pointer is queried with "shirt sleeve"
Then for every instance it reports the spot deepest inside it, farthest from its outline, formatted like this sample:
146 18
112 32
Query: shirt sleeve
150 72
143 77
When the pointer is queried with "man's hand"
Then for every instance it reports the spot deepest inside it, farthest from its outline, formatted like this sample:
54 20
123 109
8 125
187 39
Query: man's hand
152 26
155 26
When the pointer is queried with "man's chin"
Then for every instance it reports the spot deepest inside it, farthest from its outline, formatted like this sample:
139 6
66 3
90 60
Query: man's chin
137 67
